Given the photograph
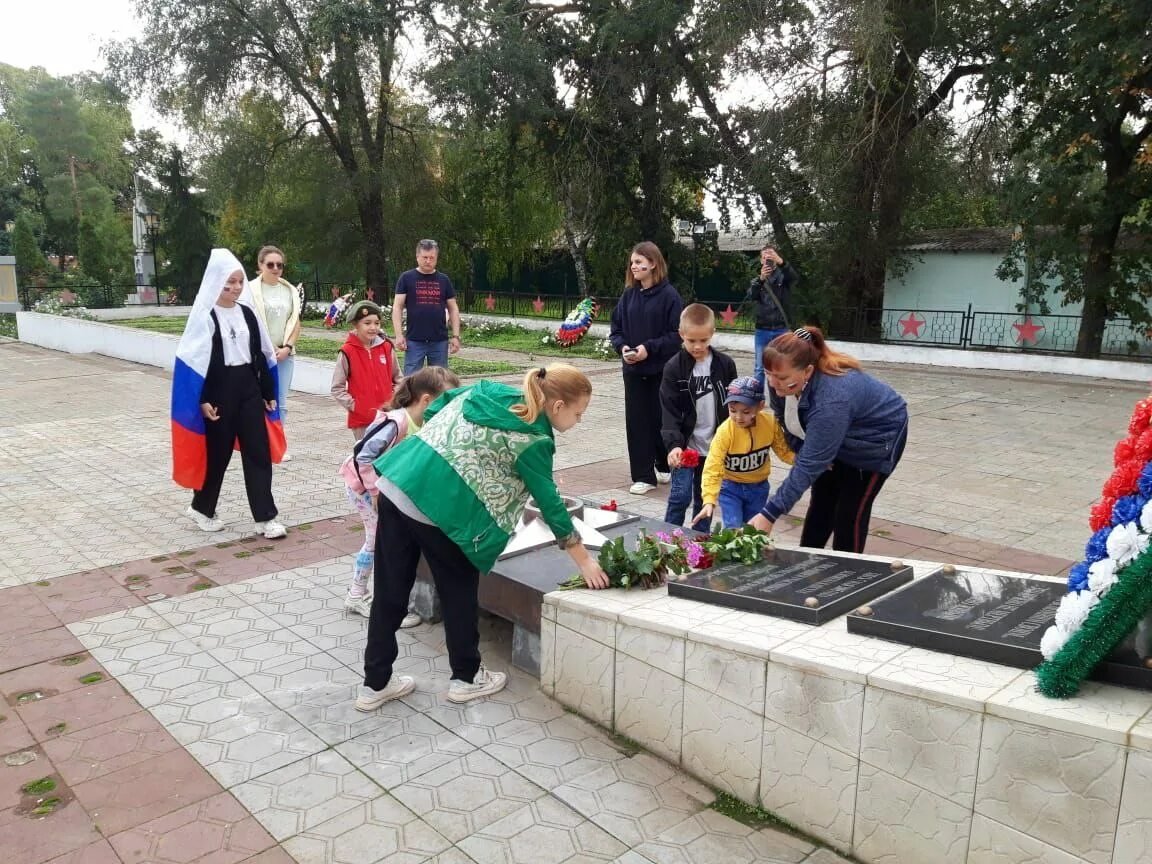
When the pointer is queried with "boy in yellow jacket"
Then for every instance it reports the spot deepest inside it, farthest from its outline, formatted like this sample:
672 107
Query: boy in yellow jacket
736 471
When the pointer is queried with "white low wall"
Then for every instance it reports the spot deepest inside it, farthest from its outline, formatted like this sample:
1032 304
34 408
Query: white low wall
77 336
1009 361
895 754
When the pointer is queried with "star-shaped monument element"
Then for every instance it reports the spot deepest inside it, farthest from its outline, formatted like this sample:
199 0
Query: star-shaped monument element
489 302
538 306
67 297
1027 331
910 325
729 316
371 292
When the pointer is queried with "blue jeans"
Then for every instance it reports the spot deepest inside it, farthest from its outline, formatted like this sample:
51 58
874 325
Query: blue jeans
739 502
435 352
284 370
685 490
761 340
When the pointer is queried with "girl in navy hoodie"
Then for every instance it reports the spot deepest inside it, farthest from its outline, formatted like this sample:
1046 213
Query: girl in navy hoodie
847 429
645 333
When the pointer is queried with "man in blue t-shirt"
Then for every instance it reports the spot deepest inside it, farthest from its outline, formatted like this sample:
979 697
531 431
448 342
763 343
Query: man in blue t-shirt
427 294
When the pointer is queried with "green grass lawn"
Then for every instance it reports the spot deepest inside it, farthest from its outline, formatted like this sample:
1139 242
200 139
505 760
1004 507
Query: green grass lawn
326 349
512 337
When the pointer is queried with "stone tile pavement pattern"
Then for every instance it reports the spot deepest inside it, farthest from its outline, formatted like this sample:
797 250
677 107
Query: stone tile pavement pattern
168 701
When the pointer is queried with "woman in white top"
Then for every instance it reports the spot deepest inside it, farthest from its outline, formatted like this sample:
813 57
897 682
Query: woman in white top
278 303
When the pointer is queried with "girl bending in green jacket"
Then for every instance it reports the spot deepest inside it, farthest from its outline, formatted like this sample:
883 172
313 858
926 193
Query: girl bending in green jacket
454 493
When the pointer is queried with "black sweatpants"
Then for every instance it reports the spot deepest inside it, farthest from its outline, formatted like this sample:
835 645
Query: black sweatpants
241 410
841 508
642 419
400 540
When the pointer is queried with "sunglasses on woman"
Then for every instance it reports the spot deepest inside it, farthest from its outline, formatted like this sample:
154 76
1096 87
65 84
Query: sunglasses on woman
274 265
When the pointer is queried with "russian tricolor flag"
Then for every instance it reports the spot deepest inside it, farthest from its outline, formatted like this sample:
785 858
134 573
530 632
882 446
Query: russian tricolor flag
189 449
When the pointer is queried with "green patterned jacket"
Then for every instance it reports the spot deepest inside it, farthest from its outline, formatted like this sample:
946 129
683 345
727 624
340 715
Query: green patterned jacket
472 467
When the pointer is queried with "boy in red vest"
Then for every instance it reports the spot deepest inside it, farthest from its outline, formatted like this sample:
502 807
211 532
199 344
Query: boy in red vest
366 368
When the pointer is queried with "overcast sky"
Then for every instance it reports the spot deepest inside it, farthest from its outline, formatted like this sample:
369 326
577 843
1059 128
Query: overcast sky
65 37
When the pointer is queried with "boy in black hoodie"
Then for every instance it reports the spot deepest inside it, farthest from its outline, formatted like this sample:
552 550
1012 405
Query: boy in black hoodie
692 393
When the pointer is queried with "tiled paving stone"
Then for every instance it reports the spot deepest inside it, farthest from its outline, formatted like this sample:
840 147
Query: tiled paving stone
452 856
144 791
403 749
27 648
50 678
467 794
329 712
81 596
100 852
14 735
556 752
543 832
117 627
217 830
292 683
24 613
635 799
380 830
709 836
825 856
107 747
26 840
39 771
254 746
207 709
275 855
305 794
77 709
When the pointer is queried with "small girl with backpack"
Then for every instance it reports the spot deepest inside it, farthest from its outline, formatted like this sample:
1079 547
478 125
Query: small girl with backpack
366 370
413 395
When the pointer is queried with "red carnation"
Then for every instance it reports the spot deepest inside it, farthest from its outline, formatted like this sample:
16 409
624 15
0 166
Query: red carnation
1141 417
689 458
1143 446
1100 515
611 505
1123 452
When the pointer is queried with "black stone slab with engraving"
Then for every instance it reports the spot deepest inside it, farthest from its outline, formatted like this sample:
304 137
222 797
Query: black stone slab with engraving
783 583
989 617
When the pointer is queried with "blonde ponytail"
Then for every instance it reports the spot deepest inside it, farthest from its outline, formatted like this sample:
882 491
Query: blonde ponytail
559 381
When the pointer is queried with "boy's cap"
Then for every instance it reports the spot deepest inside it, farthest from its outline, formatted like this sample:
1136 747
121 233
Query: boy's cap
747 390
355 314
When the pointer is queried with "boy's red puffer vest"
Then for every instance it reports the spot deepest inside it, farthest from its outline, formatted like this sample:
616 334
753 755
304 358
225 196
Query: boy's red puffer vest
369 378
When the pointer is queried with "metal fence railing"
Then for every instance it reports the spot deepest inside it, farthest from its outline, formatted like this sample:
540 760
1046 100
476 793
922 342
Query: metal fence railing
943 328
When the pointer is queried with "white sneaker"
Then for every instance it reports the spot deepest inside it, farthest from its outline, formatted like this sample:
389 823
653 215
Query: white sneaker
484 684
664 477
287 457
271 529
361 605
640 488
205 523
399 685
411 620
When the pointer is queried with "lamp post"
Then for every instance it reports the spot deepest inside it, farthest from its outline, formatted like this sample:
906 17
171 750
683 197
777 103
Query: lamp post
697 231
152 228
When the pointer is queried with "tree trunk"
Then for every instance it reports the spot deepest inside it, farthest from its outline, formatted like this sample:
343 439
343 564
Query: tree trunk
370 207
580 261
1098 283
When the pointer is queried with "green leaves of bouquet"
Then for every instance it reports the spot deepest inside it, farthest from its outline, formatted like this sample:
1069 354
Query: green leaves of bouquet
650 563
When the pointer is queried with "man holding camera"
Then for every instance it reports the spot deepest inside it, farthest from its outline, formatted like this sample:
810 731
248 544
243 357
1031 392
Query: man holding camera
770 290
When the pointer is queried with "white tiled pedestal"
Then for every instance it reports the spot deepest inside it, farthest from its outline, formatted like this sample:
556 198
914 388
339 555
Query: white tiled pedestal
890 753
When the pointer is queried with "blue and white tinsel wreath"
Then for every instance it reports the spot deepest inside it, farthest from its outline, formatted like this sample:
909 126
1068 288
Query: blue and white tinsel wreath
1108 550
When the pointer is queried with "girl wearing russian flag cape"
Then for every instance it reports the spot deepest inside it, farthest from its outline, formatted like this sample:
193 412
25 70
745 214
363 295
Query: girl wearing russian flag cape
224 395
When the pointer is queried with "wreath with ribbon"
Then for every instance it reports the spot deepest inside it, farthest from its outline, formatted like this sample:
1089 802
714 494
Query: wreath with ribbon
1110 591
579 320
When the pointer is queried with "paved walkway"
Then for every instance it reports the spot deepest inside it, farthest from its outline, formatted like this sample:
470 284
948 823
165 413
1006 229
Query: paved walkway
167 700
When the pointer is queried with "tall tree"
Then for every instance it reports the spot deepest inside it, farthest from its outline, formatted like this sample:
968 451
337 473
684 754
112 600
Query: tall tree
1076 79
186 233
336 62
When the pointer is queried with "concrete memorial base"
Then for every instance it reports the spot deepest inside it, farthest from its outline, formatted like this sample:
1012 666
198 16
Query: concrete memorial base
890 752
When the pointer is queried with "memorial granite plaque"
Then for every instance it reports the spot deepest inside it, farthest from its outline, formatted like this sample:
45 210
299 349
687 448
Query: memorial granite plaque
988 617
792 583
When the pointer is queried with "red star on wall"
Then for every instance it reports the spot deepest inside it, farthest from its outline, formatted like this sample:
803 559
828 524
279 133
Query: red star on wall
910 325
1027 331
538 306
371 292
489 302
729 316
67 297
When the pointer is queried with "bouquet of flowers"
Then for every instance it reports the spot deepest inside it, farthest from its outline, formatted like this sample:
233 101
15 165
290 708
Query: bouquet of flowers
689 458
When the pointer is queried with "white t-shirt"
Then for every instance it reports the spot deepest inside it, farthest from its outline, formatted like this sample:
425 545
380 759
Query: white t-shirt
277 309
234 335
701 389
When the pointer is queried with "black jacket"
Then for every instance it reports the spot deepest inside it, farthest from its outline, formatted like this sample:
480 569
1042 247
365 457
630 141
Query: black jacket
678 407
648 317
771 314
213 380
